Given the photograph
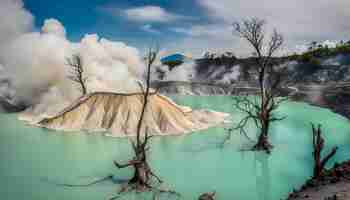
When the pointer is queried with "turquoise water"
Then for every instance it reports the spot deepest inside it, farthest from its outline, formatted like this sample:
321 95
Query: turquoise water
32 158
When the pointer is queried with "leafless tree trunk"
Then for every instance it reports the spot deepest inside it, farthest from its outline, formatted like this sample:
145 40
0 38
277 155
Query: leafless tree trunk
142 172
141 180
318 144
261 112
77 70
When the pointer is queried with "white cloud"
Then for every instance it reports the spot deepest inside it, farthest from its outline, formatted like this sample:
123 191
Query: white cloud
209 37
149 28
148 13
296 16
299 21
205 30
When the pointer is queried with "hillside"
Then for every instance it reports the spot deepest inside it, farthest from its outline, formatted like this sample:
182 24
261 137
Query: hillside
320 77
318 65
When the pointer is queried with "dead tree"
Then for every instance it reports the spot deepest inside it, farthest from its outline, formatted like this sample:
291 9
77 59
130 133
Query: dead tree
142 178
260 111
76 74
142 172
318 144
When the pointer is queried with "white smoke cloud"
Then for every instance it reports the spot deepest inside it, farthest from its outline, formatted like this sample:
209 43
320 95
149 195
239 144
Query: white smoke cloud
111 66
184 72
36 62
231 76
14 20
51 102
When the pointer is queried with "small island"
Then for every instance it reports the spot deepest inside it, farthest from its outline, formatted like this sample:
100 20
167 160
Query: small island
118 114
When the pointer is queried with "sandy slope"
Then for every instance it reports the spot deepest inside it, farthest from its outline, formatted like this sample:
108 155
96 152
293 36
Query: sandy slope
119 114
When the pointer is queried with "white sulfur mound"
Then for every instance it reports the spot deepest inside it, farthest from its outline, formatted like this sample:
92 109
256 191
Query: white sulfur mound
119 113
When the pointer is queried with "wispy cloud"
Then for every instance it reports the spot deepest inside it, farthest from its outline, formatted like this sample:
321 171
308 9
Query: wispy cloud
221 30
205 37
150 29
148 13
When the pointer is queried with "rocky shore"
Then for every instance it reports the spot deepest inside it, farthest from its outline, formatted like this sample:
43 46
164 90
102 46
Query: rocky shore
335 96
333 185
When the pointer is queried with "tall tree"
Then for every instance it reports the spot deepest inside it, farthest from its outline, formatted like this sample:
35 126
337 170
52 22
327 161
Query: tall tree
77 70
260 111
142 178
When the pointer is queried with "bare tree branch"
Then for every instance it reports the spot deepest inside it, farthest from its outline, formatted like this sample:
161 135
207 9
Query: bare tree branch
261 113
77 70
151 57
141 180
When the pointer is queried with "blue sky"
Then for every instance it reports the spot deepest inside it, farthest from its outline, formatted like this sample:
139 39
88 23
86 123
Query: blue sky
109 19
194 26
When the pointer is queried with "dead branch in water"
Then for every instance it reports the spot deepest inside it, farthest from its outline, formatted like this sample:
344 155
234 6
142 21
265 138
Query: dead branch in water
207 196
318 145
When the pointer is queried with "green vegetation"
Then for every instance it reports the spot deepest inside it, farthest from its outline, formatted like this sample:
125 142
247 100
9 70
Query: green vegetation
324 51
317 52
309 59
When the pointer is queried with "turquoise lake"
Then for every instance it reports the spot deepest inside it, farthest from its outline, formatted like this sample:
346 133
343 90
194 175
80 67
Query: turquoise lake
32 159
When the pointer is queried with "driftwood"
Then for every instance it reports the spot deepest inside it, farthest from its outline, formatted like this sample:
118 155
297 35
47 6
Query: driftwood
207 196
318 145
100 180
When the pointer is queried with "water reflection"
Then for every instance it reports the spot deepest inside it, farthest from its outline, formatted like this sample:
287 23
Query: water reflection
262 174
